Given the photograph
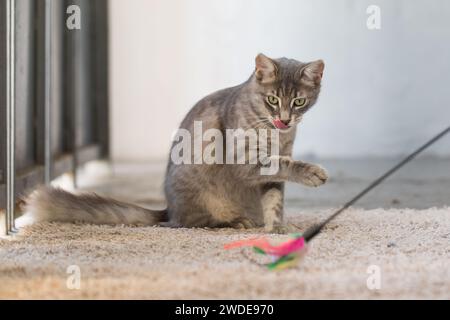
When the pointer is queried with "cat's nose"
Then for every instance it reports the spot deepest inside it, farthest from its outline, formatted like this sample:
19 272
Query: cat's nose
286 122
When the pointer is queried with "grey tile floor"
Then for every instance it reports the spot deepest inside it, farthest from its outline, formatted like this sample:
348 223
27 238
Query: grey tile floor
422 183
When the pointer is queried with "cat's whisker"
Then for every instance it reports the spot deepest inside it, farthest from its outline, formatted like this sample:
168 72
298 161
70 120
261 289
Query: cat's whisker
261 121
263 126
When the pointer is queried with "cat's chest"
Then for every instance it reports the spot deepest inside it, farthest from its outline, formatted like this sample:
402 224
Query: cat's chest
281 144
286 145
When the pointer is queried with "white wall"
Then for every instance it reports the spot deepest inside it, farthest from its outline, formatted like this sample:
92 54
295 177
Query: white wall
384 92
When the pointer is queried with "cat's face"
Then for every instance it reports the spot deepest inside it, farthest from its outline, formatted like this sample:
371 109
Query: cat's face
284 90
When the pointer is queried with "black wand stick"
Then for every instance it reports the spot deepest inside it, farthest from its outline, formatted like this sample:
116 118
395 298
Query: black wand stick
314 230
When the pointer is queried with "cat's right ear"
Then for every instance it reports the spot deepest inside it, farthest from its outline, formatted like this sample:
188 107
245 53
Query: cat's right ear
265 69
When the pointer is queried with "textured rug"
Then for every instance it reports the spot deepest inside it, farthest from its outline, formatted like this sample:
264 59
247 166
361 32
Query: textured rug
374 254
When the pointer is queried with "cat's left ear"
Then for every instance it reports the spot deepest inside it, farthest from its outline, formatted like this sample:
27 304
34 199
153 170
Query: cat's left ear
313 71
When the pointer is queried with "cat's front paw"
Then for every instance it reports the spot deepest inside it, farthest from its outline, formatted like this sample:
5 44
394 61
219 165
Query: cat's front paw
277 229
313 175
243 223
280 229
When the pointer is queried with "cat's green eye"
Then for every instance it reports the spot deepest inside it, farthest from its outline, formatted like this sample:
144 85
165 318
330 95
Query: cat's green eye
272 100
299 102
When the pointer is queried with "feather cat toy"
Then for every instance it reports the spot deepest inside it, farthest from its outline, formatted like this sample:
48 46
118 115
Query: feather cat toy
287 254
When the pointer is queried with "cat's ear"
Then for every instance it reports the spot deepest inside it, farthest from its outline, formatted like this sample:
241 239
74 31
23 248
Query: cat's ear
265 69
313 71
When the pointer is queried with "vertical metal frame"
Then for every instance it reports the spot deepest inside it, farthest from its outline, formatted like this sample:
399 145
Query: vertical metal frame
3 91
100 43
60 119
10 116
48 166
70 94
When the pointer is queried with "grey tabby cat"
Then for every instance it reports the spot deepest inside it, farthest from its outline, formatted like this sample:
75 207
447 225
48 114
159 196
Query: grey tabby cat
276 96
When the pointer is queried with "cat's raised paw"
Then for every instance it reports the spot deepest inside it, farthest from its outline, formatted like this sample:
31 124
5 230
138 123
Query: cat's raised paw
314 175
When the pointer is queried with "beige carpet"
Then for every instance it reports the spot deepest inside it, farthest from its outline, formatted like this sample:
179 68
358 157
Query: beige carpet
411 248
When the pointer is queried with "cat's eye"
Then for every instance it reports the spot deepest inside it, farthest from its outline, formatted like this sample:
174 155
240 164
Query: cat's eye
272 100
299 102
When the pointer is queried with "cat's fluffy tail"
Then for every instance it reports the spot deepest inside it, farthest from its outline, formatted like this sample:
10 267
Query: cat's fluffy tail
54 204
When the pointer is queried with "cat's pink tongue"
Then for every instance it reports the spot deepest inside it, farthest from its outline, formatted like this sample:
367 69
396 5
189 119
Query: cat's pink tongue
279 124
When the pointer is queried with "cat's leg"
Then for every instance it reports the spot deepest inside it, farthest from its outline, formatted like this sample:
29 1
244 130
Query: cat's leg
272 205
288 169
